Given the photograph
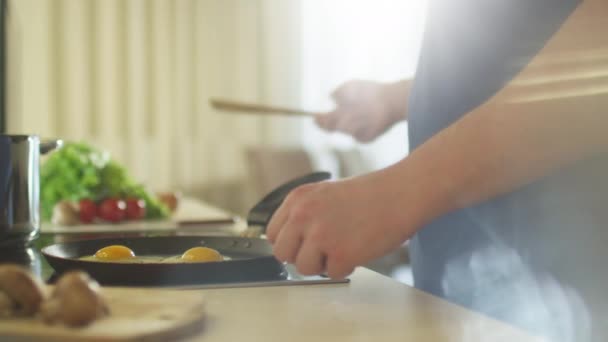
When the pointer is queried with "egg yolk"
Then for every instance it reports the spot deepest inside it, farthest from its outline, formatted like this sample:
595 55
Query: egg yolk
201 254
115 252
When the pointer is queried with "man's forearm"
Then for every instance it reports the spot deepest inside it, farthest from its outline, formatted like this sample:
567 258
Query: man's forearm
497 149
396 95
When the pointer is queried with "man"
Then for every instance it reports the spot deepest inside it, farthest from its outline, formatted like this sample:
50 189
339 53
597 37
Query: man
504 194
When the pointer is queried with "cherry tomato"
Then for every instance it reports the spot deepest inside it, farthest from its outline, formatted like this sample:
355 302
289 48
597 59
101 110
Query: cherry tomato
87 210
136 208
112 210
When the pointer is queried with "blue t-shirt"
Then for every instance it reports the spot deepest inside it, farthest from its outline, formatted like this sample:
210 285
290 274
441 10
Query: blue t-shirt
537 257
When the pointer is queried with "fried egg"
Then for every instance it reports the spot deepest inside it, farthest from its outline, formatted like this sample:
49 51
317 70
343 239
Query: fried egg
114 252
123 254
201 254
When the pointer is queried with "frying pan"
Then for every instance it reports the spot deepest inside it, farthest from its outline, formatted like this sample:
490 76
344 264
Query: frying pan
250 259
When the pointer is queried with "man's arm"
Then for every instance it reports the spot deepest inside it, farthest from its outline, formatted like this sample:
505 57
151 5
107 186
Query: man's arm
498 148
396 98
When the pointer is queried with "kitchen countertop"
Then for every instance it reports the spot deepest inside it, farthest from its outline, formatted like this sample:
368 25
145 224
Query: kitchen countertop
372 307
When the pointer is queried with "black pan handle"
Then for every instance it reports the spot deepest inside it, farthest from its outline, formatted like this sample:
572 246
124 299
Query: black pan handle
47 146
261 213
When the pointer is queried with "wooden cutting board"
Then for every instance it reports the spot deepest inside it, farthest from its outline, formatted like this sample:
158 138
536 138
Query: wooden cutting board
136 315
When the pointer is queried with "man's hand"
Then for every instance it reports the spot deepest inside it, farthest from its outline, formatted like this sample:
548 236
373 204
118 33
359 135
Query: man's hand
333 227
366 109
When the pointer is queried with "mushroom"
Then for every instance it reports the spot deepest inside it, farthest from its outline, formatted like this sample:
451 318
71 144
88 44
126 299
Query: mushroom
6 305
75 301
20 293
65 213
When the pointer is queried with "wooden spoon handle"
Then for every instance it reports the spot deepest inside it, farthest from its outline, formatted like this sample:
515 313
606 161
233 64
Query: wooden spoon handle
251 108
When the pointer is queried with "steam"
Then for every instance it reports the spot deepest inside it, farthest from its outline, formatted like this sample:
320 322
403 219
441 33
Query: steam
506 288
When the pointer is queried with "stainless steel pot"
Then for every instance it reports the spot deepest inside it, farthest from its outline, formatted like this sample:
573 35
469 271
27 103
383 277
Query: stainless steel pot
20 187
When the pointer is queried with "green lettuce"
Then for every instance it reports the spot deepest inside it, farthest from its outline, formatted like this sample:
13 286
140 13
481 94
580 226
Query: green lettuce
79 171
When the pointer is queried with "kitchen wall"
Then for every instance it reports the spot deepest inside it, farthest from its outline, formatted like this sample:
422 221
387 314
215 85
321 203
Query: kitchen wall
134 77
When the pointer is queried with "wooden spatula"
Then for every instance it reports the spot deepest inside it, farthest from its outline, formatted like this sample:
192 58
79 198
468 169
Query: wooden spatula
251 108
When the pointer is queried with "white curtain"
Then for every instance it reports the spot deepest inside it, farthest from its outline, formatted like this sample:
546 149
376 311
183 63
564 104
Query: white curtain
134 77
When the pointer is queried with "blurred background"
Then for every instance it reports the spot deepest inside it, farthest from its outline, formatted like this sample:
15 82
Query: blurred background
134 77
